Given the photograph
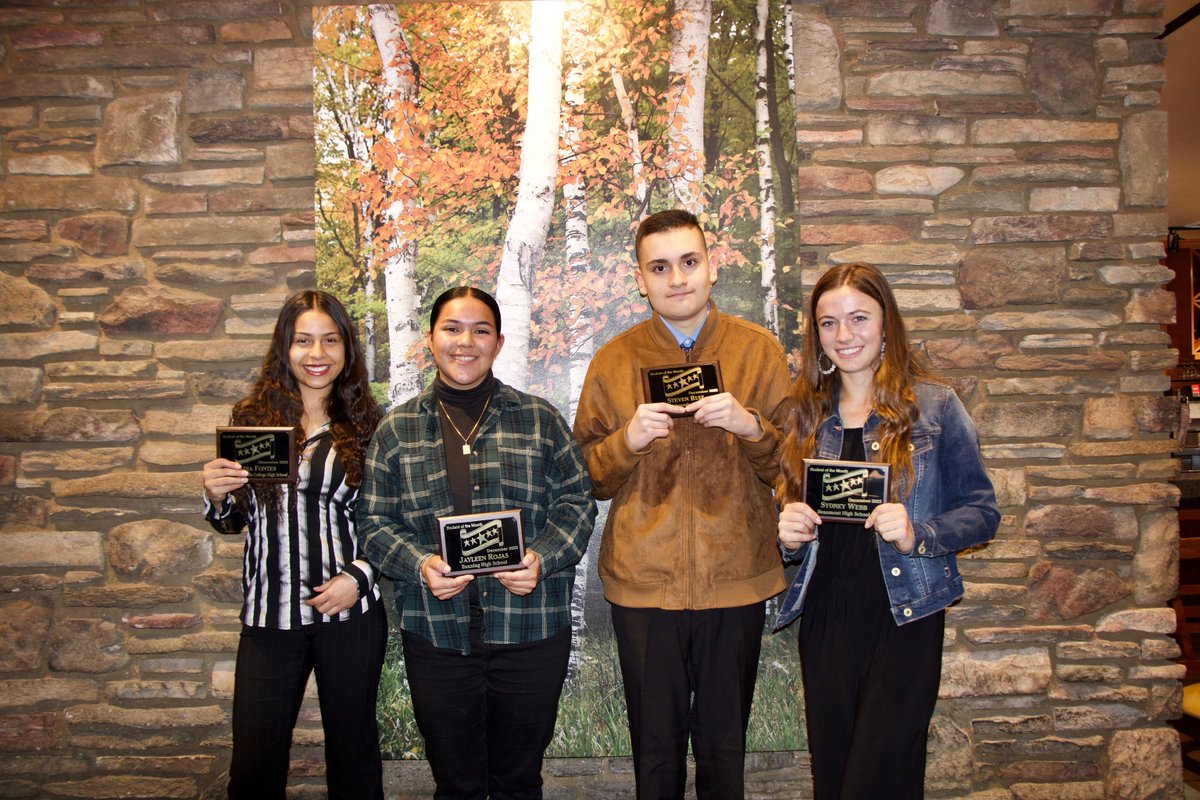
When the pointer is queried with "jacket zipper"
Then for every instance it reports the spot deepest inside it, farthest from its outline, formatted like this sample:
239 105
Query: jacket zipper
689 454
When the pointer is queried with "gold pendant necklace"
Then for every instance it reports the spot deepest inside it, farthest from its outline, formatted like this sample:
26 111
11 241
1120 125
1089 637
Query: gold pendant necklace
466 440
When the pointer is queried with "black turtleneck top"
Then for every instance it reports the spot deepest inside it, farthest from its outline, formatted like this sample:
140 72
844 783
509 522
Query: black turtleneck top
466 407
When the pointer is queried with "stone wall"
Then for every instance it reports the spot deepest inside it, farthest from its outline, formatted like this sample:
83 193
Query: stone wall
1004 161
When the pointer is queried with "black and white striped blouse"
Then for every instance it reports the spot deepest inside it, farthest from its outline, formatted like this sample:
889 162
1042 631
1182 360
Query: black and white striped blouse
287 555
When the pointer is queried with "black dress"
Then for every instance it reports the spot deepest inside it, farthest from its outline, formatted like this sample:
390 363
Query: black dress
869 685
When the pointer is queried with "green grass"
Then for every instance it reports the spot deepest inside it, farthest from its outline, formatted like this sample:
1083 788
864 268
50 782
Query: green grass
591 714
398 734
777 718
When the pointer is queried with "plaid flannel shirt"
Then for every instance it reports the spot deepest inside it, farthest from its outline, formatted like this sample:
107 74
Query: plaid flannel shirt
523 457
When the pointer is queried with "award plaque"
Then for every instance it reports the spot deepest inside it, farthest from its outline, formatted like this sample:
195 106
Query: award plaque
475 543
844 491
681 384
268 454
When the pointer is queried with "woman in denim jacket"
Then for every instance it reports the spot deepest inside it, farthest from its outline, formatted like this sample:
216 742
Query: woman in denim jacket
871 596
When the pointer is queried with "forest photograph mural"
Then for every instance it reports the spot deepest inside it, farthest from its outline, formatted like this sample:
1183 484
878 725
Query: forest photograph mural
515 146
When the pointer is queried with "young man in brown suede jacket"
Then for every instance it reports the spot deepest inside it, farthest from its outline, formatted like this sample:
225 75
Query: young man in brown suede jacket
689 554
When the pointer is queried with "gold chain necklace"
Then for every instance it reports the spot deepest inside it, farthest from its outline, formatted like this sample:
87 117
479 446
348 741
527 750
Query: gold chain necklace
466 440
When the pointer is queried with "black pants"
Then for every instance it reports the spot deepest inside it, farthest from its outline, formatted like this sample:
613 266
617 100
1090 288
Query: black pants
869 693
488 716
689 672
272 670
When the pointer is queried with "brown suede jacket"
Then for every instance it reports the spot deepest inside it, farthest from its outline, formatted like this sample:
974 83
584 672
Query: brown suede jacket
693 522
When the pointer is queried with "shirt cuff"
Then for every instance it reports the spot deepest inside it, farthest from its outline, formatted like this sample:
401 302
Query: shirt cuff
360 571
421 569
215 511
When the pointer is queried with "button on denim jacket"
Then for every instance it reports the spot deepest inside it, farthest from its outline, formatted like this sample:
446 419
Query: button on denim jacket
952 506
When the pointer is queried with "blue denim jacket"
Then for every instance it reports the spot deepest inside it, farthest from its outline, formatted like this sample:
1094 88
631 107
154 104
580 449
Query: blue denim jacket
951 506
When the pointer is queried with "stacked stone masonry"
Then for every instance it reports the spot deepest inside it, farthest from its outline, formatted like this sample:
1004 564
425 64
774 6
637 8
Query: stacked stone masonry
1003 160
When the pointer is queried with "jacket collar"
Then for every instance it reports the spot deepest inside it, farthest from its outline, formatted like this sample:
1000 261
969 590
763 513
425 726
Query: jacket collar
709 334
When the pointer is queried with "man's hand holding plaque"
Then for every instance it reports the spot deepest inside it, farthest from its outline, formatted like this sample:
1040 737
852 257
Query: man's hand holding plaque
682 384
687 390
724 411
650 421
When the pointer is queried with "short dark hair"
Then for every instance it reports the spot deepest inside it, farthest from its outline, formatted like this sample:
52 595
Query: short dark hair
663 221
464 291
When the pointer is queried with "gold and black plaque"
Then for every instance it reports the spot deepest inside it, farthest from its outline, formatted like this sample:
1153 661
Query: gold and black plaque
268 454
844 491
480 543
681 384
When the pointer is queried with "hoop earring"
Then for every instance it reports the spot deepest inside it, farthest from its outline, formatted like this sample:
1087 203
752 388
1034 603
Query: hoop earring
822 370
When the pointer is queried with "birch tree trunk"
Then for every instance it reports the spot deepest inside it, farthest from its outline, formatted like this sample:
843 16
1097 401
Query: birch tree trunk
789 48
530 223
685 102
400 267
785 199
574 187
766 178
641 189
370 334
578 252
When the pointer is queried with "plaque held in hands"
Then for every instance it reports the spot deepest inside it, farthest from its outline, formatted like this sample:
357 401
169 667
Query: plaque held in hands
268 454
682 384
481 543
844 491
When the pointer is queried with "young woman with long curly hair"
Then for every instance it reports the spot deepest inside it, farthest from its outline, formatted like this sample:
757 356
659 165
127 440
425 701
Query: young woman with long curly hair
310 601
871 596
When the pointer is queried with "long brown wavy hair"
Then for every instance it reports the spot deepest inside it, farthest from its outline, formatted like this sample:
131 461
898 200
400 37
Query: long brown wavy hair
275 400
815 394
